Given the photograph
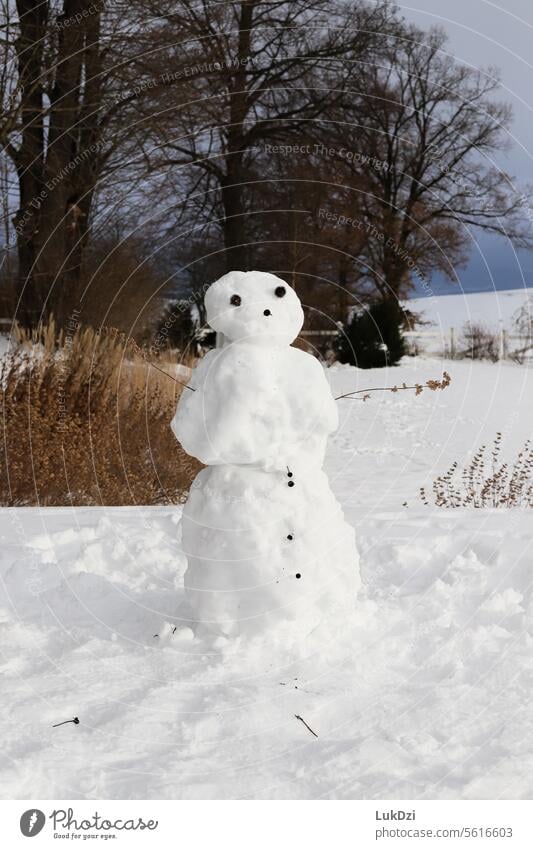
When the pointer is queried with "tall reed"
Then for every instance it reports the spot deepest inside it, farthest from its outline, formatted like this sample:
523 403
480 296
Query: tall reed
85 420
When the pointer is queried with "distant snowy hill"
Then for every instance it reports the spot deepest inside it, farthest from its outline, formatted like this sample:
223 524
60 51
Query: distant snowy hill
492 309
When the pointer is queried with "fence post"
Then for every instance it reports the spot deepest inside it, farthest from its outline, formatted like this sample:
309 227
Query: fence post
505 343
452 343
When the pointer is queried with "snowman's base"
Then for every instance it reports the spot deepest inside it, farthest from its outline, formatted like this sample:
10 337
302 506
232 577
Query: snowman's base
283 651
269 553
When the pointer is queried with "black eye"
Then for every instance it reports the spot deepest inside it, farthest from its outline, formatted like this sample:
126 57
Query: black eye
235 300
280 291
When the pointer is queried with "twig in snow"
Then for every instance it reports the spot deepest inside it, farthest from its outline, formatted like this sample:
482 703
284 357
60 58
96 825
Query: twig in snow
306 725
75 721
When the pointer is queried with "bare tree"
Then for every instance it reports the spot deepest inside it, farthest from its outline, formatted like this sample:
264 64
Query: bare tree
58 69
250 73
424 132
67 93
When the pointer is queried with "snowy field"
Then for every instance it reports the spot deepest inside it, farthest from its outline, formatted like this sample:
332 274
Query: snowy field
427 696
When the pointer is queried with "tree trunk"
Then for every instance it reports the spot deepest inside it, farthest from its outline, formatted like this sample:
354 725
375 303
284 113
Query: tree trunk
233 183
57 174
232 200
29 159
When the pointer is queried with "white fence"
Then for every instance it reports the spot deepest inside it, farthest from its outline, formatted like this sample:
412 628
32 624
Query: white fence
509 346
451 344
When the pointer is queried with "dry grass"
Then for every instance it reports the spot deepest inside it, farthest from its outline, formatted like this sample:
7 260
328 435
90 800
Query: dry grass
83 424
486 481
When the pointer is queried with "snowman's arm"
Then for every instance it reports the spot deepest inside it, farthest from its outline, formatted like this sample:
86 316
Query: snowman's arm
216 422
319 397
188 424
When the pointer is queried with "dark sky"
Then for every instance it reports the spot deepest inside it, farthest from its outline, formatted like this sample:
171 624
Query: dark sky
484 33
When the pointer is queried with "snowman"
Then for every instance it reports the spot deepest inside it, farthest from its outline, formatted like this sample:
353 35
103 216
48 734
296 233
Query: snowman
268 550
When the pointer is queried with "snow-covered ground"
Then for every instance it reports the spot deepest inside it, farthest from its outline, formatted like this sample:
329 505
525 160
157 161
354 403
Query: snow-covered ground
427 696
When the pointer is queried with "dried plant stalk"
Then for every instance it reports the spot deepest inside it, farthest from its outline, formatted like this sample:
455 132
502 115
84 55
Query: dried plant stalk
433 385
485 481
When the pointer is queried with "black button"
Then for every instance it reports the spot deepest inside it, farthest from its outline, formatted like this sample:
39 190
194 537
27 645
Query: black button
291 483
290 536
298 575
267 312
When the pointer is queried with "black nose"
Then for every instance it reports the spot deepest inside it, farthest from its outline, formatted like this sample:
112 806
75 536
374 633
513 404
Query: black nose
267 312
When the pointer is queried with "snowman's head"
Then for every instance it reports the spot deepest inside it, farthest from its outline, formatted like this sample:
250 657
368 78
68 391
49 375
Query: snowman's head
255 307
